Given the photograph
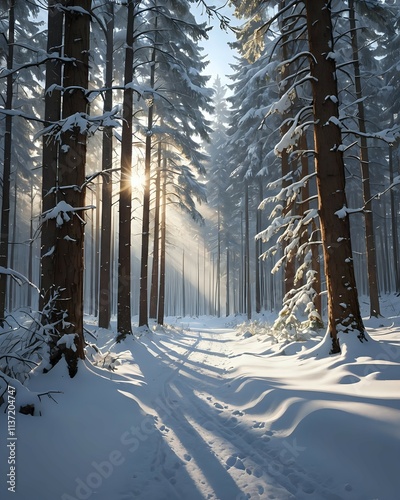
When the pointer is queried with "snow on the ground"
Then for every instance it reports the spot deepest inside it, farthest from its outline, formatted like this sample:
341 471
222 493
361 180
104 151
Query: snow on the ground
197 410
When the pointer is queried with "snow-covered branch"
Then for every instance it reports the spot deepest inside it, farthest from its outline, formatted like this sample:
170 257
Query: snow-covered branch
18 277
62 213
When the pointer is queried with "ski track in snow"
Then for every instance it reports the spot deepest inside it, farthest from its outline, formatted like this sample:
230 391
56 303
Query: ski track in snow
201 436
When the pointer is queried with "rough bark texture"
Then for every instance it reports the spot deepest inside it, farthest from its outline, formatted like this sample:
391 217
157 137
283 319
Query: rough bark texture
68 257
247 252
364 161
144 262
395 239
50 154
125 196
105 250
156 245
161 297
343 307
5 204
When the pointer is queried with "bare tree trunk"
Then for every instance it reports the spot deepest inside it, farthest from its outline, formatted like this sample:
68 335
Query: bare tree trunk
52 114
5 203
364 161
156 244
343 306
161 298
242 281
12 290
125 197
394 225
198 280
218 281
247 252
106 206
258 247
227 307
68 259
183 285
30 261
144 262
96 257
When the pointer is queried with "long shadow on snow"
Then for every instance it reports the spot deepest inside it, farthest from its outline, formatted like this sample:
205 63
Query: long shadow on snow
174 428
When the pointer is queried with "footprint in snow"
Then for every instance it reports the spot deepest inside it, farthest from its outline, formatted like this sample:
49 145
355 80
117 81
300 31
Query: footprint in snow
238 412
234 461
258 425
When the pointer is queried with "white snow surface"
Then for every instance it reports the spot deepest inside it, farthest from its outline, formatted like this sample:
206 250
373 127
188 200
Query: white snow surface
195 410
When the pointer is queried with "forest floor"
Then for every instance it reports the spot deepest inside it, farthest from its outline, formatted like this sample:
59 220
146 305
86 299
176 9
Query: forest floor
202 409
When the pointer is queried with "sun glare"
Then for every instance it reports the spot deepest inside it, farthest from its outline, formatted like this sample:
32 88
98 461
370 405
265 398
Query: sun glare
137 178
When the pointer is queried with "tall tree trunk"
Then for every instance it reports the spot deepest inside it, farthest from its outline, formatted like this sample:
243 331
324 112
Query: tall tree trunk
364 161
218 282
144 262
198 280
52 114
161 298
227 307
68 260
183 285
106 206
343 306
5 203
96 256
30 261
247 252
258 247
242 281
394 225
125 197
12 290
156 245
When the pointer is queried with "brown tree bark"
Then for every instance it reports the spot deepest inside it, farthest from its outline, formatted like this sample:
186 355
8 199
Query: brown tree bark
124 313
106 205
156 244
161 297
5 203
247 252
364 163
52 114
395 239
343 306
68 256
258 248
144 262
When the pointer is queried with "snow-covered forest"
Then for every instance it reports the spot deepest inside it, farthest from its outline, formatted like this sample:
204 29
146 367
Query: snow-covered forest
199 280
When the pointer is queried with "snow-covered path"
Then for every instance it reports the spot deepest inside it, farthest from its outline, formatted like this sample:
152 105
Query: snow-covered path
205 447
193 411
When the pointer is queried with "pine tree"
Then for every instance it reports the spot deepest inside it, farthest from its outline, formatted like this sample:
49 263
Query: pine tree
343 306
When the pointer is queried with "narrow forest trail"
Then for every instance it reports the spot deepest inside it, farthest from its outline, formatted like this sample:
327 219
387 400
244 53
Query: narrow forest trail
196 441
194 411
